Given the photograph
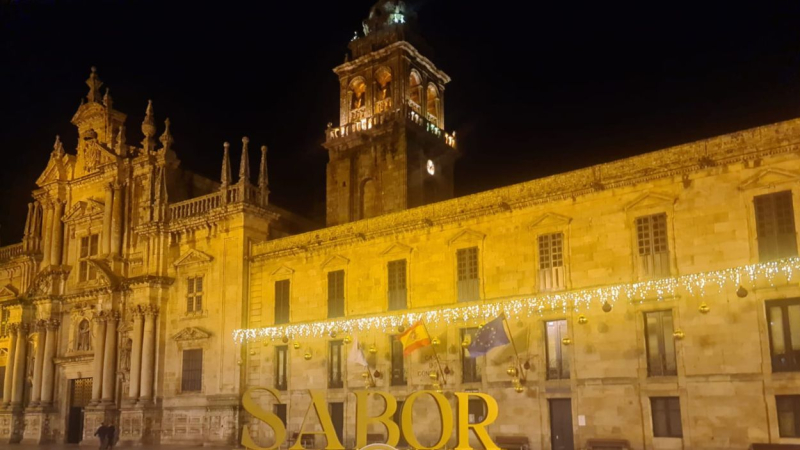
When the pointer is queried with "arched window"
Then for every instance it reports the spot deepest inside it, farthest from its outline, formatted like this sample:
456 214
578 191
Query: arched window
83 340
432 104
383 91
415 91
358 98
369 199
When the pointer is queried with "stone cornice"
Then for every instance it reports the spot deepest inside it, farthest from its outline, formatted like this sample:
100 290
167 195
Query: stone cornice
403 45
682 160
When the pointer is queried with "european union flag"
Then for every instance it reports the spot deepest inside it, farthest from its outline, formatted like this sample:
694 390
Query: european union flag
492 335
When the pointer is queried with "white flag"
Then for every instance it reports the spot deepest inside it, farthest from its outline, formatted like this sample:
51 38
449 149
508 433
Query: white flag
356 355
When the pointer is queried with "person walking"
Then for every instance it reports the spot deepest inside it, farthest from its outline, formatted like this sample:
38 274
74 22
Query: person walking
111 436
102 434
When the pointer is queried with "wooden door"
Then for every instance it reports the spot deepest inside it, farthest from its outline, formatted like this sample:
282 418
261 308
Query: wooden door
561 424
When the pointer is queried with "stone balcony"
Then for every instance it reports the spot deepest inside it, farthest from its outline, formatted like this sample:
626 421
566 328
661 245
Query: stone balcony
377 121
205 204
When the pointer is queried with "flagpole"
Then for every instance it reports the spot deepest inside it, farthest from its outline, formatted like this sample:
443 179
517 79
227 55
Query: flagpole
514 345
435 354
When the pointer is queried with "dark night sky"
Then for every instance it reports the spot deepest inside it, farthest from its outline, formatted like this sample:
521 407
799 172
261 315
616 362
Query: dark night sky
538 87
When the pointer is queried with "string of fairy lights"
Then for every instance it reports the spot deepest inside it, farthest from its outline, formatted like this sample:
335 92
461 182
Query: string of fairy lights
696 285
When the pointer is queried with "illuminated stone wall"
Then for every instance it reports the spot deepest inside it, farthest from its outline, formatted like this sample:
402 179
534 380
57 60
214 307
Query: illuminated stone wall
724 377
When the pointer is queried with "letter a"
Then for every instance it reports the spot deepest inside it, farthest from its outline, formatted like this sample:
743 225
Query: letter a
319 405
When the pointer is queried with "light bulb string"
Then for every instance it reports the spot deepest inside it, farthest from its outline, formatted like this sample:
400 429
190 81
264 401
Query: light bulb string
694 284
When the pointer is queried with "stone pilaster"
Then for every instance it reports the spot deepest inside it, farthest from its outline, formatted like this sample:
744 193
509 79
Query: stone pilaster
107 213
148 354
20 354
57 238
97 363
9 375
116 221
136 355
47 231
48 367
110 358
36 389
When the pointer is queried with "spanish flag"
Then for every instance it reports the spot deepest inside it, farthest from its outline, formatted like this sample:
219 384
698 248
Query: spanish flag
416 336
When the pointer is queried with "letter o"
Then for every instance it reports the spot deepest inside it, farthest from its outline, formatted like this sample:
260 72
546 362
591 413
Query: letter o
445 412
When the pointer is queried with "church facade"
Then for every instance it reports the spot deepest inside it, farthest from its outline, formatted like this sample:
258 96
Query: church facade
650 302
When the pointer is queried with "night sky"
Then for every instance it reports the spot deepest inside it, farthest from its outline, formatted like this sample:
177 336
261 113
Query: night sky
538 87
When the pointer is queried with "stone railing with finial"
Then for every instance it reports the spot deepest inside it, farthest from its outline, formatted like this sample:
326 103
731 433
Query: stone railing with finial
228 194
10 251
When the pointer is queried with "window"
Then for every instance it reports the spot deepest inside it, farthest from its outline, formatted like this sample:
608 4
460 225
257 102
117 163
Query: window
5 315
783 317
336 294
281 365
282 301
336 409
467 269
335 379
194 294
666 417
788 415
477 410
432 103
87 271
83 340
651 237
557 351
397 284
775 226
415 91
551 262
469 364
398 418
280 411
660 344
383 94
398 363
192 375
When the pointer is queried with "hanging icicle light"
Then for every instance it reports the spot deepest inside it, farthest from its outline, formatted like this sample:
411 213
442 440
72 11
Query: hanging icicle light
695 285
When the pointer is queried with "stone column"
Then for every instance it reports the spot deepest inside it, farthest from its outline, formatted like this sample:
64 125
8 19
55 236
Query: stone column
110 358
46 233
148 354
116 221
27 235
136 355
99 340
107 220
48 368
18 382
9 375
36 391
56 241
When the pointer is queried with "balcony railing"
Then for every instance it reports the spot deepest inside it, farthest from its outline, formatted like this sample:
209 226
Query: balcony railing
203 205
10 251
382 118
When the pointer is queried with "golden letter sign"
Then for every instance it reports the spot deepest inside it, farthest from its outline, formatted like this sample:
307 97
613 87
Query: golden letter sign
363 420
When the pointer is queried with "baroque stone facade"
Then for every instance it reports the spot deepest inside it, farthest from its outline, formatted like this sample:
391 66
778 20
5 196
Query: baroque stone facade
133 275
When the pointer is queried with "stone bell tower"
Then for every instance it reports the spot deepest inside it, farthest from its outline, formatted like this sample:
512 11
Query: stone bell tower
390 151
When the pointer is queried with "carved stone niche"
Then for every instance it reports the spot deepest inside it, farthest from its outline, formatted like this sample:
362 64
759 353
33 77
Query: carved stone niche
191 337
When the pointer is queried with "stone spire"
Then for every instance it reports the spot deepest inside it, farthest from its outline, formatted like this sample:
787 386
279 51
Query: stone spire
166 138
263 177
94 84
58 148
244 165
107 99
149 128
226 166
